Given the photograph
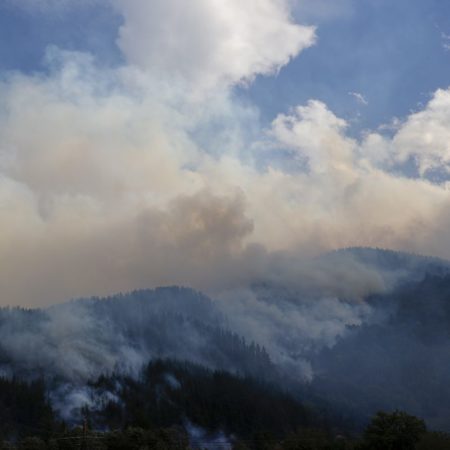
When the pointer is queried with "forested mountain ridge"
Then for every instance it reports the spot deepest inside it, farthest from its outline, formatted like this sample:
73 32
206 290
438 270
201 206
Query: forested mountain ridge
339 357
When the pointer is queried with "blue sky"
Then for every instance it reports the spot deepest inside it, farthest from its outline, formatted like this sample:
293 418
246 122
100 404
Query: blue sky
25 33
391 52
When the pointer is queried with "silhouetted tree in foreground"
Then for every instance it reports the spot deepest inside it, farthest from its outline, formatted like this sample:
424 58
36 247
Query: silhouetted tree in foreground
393 431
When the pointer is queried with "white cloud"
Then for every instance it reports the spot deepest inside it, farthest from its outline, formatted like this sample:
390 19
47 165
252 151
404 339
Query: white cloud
201 45
346 198
445 41
359 98
210 43
426 135
423 138
316 133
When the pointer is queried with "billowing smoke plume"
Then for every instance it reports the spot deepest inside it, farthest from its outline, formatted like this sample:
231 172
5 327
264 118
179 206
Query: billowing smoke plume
153 172
291 315
72 344
80 340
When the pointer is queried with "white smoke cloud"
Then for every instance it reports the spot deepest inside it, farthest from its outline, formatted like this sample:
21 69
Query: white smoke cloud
210 43
289 329
114 179
359 98
426 135
422 138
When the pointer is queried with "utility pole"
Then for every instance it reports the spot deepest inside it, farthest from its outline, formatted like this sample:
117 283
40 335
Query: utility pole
84 439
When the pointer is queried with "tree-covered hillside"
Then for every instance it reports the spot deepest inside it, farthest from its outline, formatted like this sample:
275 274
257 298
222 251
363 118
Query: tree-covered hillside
345 357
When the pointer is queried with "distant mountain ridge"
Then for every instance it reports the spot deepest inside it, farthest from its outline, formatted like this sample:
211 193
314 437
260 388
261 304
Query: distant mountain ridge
389 260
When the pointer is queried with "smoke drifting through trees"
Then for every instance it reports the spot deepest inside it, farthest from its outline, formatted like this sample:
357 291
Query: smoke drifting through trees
287 328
